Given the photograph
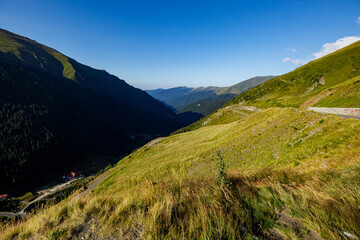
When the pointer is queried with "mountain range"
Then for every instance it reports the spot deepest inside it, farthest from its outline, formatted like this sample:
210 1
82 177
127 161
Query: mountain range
203 100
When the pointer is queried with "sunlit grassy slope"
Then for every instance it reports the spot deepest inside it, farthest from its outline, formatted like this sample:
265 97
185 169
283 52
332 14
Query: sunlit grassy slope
15 48
308 84
346 94
221 116
290 175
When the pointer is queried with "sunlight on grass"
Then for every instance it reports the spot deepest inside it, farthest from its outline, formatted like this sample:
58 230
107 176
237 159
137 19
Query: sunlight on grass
298 178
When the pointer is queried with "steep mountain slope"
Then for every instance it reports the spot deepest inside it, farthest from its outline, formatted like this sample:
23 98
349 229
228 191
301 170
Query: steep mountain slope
330 77
275 174
191 99
16 49
55 112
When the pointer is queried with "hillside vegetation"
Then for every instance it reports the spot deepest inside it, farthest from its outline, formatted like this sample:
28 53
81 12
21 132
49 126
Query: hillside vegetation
329 81
56 112
275 174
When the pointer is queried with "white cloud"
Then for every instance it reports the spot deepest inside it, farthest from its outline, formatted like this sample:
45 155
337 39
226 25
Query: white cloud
326 49
358 20
292 50
286 60
297 62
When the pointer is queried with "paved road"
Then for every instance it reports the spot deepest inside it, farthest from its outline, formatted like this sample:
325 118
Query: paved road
235 109
340 115
348 116
46 193
341 112
8 214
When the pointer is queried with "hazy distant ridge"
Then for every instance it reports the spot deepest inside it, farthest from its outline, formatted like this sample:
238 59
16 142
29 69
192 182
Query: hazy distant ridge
203 100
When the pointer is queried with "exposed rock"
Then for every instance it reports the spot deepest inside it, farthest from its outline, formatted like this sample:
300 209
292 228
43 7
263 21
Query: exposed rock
297 227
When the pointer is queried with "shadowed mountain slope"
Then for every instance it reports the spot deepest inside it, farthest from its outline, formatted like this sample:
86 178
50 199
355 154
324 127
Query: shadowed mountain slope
55 112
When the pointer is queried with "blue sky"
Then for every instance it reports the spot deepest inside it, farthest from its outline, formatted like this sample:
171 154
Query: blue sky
170 43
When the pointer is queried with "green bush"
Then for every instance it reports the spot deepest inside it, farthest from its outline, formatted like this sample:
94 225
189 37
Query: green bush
221 179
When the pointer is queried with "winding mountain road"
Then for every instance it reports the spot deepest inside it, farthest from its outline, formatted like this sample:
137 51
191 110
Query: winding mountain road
45 193
341 112
56 188
319 110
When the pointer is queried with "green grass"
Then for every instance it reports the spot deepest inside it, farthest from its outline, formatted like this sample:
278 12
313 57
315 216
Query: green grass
289 173
221 116
9 205
36 55
7 44
28 197
295 88
68 69
343 95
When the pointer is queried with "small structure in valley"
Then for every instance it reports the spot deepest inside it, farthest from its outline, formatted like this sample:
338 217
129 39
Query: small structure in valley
72 175
4 196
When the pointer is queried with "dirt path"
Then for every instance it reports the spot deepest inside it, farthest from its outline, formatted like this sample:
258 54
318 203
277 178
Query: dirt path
43 195
316 98
153 142
93 184
233 109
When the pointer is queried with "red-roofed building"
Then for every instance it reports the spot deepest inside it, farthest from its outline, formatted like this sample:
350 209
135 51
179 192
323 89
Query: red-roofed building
3 196
72 175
